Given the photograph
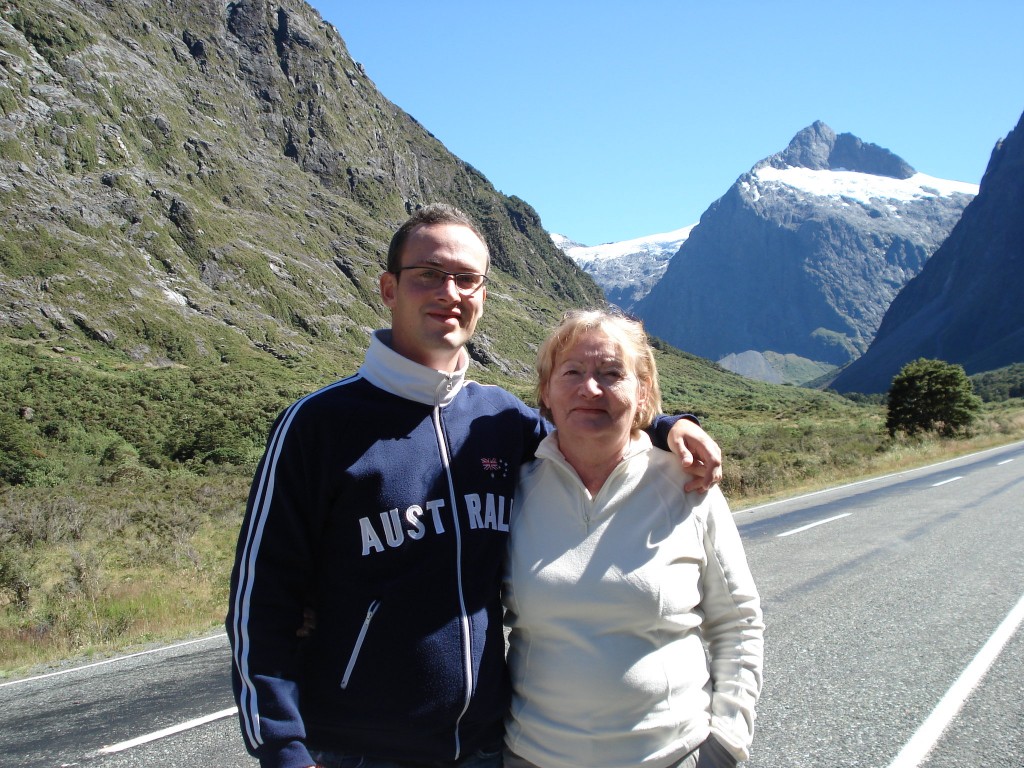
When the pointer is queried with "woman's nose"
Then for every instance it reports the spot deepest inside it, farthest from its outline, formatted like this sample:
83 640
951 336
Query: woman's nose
591 386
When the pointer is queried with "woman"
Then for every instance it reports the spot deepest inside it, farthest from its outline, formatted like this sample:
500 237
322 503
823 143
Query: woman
617 579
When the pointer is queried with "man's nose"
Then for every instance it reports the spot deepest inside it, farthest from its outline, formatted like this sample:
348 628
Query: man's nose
449 288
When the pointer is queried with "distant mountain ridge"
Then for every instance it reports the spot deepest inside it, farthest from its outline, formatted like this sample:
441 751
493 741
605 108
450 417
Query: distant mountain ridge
627 270
966 305
804 253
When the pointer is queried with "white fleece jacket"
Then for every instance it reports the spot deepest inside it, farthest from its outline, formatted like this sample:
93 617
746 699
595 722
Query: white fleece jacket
611 600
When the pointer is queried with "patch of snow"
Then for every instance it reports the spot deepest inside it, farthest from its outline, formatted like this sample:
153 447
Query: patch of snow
664 243
863 187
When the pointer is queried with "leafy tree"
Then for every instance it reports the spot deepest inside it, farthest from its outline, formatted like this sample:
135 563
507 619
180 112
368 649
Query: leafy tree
931 395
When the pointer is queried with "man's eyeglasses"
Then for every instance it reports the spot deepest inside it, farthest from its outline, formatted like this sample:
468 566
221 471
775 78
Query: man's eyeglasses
431 278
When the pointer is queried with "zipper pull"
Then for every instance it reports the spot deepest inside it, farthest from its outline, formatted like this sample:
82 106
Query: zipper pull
359 643
370 611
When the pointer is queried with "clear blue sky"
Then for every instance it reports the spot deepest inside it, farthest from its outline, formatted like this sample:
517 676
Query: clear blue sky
622 119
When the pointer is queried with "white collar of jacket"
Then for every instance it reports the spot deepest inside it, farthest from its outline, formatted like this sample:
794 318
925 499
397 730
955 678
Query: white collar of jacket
548 448
397 374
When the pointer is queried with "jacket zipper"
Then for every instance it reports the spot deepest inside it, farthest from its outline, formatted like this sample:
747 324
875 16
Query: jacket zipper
467 650
359 643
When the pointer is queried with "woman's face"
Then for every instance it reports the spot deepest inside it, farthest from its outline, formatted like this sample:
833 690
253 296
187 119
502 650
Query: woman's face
593 391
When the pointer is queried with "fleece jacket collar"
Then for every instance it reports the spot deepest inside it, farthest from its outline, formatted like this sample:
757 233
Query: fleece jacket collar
400 376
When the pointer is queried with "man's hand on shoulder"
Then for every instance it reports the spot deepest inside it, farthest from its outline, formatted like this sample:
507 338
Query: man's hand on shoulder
699 455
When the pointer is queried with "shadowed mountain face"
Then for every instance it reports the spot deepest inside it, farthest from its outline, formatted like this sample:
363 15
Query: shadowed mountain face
189 182
804 253
966 304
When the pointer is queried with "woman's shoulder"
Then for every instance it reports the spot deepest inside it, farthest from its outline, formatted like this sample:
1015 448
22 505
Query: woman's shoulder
667 468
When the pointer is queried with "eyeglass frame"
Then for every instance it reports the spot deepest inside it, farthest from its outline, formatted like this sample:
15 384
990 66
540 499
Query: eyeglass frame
453 275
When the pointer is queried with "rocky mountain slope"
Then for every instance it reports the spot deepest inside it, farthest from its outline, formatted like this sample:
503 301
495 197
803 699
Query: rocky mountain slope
804 253
966 304
187 182
626 271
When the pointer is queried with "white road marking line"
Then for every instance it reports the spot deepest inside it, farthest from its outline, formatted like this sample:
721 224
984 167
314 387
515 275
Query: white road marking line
1007 461
116 658
927 735
812 525
951 480
168 731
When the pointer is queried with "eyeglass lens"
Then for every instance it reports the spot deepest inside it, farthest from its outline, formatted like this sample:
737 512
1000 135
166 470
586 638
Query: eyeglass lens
428 277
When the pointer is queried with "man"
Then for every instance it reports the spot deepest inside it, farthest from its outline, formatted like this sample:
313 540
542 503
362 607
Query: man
382 504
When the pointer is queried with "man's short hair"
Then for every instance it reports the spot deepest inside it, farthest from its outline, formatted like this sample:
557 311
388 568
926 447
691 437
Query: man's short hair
435 213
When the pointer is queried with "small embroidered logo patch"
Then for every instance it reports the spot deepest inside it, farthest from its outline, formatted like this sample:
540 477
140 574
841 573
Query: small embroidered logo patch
495 466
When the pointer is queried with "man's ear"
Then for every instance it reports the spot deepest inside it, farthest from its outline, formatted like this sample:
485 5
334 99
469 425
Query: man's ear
388 288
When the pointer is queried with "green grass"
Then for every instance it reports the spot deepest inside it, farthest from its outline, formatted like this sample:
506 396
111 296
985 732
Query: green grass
142 559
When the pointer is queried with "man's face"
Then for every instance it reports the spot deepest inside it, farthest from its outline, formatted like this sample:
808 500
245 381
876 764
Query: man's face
431 325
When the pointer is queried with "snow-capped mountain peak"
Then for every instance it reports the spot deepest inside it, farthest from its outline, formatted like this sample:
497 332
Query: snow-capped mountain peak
652 244
802 256
625 270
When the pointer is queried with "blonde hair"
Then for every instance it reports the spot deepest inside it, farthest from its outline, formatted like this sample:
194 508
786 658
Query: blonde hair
626 333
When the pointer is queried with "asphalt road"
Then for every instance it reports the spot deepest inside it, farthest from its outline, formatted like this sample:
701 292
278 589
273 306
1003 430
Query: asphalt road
893 611
872 617
66 718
